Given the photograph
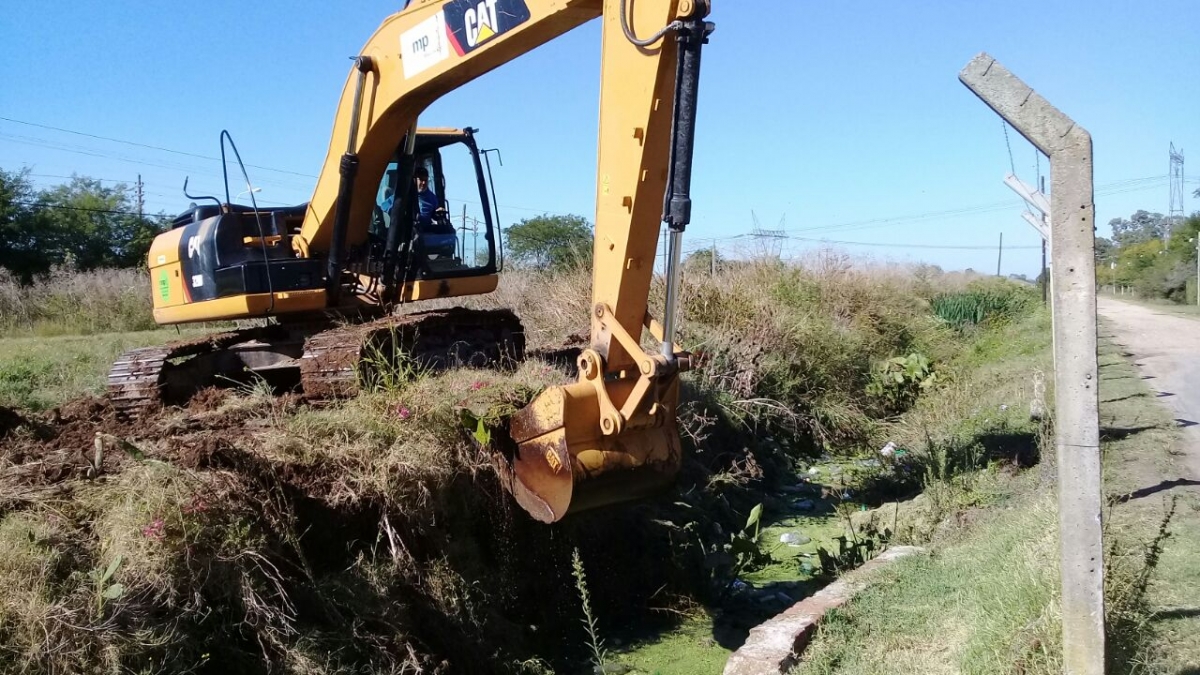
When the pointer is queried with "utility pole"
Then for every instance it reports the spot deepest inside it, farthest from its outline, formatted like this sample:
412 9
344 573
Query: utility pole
141 198
1042 278
462 240
1076 368
474 241
1000 254
712 261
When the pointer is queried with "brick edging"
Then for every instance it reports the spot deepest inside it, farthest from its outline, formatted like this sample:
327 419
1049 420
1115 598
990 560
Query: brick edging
774 646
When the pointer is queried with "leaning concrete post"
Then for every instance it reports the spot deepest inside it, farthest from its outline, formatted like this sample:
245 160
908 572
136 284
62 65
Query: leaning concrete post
1077 422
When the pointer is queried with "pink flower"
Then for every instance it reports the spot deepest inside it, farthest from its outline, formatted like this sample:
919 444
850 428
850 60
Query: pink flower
403 412
155 530
477 386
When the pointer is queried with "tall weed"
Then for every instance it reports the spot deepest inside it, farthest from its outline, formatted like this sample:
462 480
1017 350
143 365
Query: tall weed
67 302
983 302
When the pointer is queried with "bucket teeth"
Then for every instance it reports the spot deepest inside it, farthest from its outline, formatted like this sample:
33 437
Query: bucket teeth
564 464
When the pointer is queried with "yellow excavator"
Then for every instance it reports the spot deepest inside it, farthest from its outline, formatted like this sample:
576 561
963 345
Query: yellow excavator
333 276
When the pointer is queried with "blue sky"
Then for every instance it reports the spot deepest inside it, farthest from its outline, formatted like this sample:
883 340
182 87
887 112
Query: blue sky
834 119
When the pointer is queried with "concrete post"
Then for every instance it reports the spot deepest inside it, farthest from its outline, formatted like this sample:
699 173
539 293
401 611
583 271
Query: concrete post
1076 372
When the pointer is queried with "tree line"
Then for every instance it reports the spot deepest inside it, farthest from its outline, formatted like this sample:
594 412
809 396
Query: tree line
80 224
1153 254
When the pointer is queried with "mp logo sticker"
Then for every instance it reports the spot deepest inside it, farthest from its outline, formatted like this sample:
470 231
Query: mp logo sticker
424 46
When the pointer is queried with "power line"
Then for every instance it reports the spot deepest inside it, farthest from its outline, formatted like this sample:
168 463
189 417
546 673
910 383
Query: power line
1107 189
1012 164
144 145
40 205
948 247
90 152
144 192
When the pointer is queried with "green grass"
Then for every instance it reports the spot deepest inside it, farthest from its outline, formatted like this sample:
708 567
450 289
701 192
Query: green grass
983 600
979 608
986 599
1165 636
981 407
37 373
981 302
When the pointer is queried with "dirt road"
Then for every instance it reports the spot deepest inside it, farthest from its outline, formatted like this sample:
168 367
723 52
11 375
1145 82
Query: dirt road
1166 349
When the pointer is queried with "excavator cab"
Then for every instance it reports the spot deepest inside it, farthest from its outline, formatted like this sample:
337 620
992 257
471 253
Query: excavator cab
447 222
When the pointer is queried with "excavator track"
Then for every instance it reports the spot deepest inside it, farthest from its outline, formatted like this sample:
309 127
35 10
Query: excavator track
328 362
138 379
339 363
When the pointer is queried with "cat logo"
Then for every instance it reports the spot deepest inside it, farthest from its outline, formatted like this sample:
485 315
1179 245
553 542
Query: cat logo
480 22
193 245
473 23
553 461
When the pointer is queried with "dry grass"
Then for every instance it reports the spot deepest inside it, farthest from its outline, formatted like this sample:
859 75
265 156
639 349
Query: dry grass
791 344
65 302
371 535
401 446
114 579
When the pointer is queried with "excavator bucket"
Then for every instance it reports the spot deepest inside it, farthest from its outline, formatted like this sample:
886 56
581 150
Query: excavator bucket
565 463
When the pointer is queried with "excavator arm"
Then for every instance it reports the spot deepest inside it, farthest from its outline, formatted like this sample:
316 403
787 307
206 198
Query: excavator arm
611 436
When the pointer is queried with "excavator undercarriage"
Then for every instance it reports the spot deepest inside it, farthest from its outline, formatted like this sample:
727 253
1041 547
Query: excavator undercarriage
319 359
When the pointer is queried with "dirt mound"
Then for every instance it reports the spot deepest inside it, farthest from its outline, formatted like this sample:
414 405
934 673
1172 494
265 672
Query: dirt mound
209 399
62 442
319 532
60 446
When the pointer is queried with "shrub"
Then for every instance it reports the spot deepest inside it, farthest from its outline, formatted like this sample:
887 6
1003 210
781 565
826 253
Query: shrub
983 302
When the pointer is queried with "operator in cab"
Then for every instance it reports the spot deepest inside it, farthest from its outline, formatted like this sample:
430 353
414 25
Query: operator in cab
427 202
438 240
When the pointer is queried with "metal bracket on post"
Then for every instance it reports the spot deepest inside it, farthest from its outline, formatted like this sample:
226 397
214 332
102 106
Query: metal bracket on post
1076 371
1033 197
1039 224
1029 193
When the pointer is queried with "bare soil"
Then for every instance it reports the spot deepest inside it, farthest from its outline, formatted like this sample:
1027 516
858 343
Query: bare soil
1165 348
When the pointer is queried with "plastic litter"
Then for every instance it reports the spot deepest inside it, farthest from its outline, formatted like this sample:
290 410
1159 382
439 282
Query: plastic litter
793 539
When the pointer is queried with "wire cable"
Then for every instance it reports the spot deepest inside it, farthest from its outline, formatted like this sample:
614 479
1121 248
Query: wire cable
262 237
1012 164
674 25
144 145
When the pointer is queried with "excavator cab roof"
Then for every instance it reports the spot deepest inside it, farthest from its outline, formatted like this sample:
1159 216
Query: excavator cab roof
428 140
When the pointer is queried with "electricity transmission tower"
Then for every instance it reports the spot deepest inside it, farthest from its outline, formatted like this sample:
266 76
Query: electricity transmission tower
768 242
1175 211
